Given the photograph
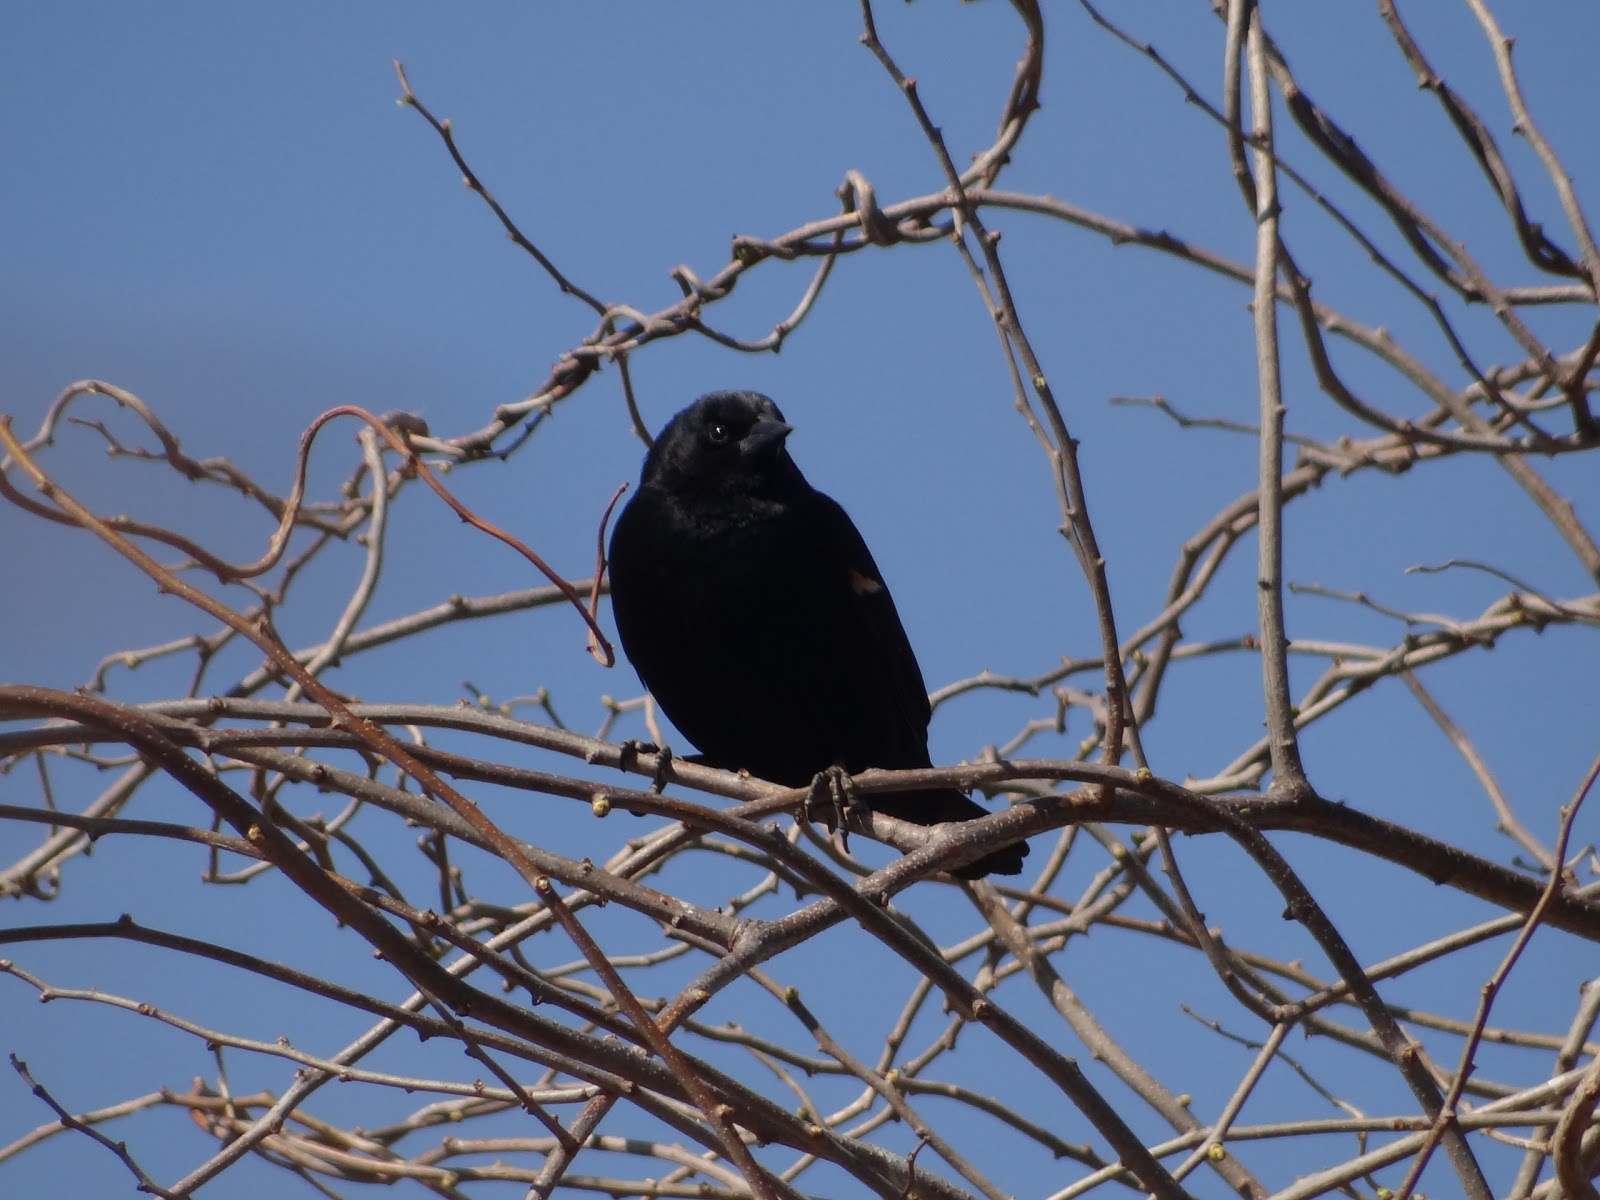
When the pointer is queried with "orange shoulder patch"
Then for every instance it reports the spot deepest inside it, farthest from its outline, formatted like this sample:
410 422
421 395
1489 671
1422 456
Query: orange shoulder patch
864 585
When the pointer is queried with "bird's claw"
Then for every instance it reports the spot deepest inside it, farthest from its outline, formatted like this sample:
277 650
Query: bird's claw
629 761
839 789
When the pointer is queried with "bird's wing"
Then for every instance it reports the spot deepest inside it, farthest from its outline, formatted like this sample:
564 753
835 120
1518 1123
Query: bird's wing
884 648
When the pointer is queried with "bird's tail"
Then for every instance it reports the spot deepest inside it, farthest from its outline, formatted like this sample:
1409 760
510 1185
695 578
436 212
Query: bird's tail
947 804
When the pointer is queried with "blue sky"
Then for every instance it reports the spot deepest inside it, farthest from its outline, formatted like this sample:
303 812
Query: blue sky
223 210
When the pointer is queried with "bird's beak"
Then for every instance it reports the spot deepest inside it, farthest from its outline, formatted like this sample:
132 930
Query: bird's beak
766 436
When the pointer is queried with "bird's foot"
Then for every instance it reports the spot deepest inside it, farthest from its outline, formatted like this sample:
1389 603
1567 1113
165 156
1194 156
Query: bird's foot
833 796
632 749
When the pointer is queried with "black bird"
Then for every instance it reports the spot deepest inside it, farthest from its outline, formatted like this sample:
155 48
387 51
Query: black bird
752 610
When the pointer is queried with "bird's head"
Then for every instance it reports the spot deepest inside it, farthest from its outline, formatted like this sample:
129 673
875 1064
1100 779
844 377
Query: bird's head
727 442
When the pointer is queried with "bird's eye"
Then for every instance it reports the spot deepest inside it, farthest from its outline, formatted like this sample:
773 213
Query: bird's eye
719 433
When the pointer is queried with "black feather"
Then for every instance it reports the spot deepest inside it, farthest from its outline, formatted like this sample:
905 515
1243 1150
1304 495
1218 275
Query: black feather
754 612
